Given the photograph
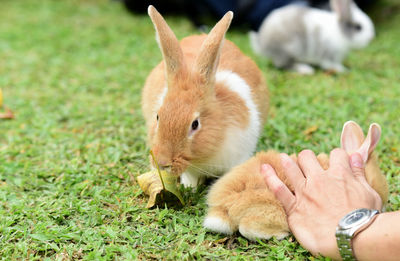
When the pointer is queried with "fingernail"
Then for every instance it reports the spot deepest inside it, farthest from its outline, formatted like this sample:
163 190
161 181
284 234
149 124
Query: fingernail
285 159
265 169
284 156
356 160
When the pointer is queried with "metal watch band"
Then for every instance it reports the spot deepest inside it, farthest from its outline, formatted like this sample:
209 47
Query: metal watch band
347 230
344 245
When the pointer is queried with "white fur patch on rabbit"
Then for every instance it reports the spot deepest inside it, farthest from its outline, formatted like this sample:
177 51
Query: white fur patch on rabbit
218 225
161 98
238 145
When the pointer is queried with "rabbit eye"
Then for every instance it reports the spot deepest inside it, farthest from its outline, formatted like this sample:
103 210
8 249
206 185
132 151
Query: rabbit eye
158 117
357 27
195 124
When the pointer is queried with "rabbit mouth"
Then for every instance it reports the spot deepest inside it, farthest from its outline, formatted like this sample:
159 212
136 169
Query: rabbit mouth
179 165
175 165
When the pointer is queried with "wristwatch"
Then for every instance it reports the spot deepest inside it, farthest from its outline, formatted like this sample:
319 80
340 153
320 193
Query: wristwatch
349 226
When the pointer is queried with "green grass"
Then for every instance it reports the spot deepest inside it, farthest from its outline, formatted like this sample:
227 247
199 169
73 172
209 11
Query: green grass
72 71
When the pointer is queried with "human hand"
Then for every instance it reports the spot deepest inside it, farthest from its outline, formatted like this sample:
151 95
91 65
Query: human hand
321 197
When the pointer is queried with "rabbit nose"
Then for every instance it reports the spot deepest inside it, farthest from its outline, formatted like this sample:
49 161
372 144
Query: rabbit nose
167 168
164 164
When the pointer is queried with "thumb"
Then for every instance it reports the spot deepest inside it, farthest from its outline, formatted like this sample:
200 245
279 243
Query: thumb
357 165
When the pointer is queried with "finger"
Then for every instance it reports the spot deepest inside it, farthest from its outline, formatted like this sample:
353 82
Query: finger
292 171
357 166
309 163
280 190
339 157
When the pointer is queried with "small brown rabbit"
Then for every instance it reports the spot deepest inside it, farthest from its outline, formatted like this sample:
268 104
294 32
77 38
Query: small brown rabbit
240 200
204 105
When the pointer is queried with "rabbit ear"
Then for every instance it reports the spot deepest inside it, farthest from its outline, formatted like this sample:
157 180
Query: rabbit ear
370 142
342 9
352 137
168 44
208 58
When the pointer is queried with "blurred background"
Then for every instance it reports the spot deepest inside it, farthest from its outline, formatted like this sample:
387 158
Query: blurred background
248 13
72 71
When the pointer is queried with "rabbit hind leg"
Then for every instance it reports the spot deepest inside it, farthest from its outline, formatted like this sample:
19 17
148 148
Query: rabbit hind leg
283 60
217 220
280 58
264 222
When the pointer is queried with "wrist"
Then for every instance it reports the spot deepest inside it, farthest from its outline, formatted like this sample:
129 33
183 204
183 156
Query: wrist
380 241
349 227
363 243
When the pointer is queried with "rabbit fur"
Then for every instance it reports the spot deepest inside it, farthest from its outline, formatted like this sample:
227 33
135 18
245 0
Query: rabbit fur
296 37
204 105
241 200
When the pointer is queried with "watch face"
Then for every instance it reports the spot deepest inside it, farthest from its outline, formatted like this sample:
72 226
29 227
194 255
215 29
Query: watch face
355 217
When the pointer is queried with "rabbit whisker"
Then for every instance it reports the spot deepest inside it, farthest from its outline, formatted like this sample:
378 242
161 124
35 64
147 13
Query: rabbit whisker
202 170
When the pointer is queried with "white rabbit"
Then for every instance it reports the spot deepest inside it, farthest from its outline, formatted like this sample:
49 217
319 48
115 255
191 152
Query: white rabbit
204 104
296 37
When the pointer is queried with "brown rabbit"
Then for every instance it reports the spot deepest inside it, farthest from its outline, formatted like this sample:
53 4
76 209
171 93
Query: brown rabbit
204 104
241 200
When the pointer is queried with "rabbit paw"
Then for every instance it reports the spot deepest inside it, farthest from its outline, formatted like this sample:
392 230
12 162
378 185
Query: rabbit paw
255 227
253 235
302 68
332 66
218 225
189 180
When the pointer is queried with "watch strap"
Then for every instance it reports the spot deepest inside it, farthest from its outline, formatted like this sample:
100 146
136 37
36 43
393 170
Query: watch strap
344 245
344 237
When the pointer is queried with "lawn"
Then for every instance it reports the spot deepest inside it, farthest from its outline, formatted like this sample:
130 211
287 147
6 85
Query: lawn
72 71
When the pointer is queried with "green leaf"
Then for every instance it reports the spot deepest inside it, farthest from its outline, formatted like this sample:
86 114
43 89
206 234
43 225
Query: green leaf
40 237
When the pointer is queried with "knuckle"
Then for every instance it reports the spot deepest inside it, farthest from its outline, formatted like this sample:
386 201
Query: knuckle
306 153
342 172
286 164
359 173
338 153
279 189
337 150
